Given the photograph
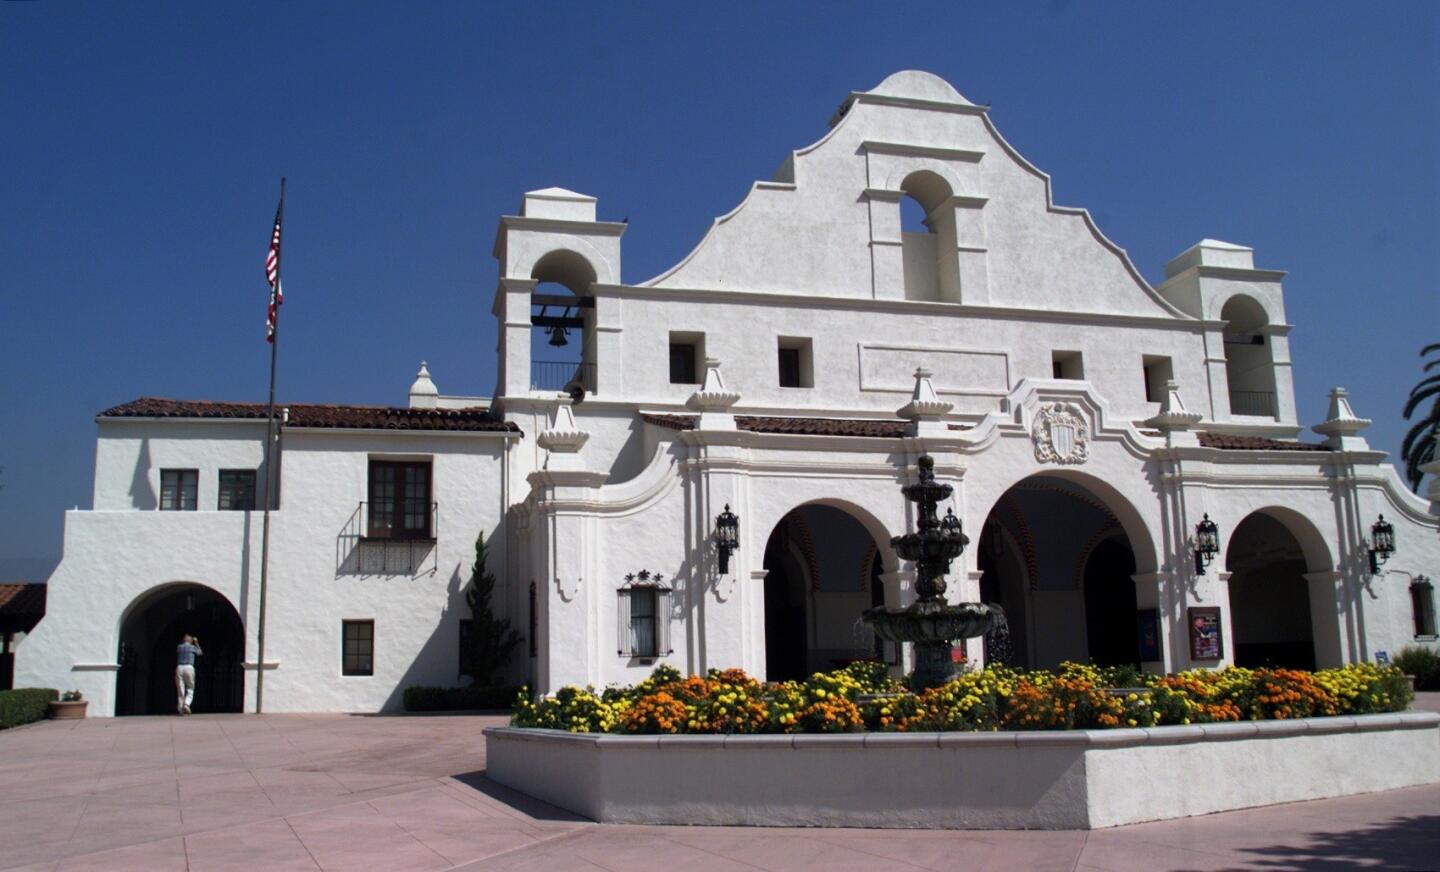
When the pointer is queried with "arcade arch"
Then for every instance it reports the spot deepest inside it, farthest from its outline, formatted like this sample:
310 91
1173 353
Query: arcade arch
1282 605
823 568
149 631
1059 553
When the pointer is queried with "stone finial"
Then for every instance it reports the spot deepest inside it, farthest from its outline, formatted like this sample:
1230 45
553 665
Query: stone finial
1173 414
1341 426
564 438
714 400
423 393
925 410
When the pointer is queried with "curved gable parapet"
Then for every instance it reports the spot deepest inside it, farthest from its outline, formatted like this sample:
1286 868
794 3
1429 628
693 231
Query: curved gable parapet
830 227
1084 214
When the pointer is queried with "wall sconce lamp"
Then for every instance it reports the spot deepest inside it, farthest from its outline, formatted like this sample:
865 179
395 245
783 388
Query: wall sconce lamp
727 537
1207 544
1382 544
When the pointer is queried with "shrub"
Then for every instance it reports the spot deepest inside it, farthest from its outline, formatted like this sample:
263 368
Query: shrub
1423 663
860 696
25 705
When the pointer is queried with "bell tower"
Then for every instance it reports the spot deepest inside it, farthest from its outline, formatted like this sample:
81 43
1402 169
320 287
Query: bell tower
556 239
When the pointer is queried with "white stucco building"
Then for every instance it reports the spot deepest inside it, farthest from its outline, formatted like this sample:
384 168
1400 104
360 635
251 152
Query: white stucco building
792 367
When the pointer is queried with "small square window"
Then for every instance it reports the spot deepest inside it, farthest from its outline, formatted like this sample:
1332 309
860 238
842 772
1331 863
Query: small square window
796 367
237 490
1158 373
686 352
358 651
1067 364
179 490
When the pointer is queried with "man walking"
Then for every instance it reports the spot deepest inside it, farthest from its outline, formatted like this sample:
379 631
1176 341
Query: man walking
185 654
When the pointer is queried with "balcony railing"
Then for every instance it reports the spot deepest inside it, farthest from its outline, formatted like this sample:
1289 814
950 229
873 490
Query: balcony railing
559 375
1259 403
388 542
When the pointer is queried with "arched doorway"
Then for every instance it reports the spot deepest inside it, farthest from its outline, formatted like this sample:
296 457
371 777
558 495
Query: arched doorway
823 569
1057 558
149 632
1271 611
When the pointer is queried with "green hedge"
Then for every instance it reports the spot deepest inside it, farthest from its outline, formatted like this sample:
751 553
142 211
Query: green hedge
1423 663
25 705
440 699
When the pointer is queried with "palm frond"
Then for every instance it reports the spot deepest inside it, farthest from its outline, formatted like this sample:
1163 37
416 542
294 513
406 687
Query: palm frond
1427 388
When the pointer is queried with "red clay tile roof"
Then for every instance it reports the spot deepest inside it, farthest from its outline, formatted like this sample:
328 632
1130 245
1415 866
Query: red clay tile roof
21 607
797 426
475 419
1255 443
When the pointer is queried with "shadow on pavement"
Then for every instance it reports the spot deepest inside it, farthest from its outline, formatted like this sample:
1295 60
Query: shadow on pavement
1400 843
521 802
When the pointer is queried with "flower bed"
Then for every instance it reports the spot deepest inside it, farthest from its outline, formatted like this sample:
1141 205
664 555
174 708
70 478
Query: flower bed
862 697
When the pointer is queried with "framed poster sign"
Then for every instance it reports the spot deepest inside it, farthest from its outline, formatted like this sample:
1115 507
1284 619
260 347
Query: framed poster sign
1147 633
1205 642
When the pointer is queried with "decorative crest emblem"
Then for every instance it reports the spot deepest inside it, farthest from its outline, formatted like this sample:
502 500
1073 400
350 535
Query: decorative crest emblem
1060 434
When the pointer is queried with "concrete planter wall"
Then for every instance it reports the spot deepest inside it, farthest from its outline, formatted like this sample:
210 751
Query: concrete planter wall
1027 780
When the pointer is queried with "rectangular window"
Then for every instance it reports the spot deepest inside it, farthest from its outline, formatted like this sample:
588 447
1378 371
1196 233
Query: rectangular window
237 490
467 627
644 621
686 352
1067 364
1422 605
399 503
179 490
796 367
1158 373
358 653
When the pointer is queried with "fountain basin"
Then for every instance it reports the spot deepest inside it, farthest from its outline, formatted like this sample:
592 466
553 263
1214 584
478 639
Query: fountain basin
929 622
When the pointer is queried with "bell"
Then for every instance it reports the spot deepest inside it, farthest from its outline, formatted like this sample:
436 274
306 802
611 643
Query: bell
557 336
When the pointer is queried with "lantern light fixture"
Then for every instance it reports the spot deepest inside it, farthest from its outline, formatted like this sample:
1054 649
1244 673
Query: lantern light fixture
727 537
1207 544
1382 544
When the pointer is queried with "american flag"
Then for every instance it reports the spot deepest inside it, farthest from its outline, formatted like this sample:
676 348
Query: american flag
272 274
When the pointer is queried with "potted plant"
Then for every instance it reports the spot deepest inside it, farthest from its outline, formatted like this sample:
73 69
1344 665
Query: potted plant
70 705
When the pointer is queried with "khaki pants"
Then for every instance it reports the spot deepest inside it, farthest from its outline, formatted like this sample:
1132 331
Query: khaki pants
184 688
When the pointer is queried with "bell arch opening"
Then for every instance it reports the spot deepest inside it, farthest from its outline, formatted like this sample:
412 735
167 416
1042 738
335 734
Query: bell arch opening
927 238
823 568
1282 603
562 332
1057 554
1249 365
151 628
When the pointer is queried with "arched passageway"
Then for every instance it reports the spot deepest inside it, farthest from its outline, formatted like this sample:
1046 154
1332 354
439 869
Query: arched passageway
1054 555
1272 616
154 625
823 569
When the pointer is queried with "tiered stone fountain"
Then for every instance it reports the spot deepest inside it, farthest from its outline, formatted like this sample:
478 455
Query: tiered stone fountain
929 622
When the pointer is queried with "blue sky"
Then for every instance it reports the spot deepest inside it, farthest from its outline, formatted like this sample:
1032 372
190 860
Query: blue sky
142 147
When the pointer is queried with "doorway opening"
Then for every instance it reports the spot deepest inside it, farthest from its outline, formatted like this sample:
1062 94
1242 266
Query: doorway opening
149 633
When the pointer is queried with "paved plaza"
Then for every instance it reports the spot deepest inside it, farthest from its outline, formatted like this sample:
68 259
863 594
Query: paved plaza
337 792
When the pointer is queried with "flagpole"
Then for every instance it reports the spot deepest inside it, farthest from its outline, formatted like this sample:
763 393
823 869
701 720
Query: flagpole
269 457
